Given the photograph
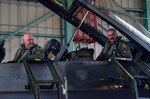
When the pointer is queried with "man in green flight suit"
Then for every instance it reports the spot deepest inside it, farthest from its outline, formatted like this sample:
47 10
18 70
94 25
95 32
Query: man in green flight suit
115 47
29 50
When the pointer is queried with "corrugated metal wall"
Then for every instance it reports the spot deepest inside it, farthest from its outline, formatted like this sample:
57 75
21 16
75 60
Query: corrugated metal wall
14 15
132 4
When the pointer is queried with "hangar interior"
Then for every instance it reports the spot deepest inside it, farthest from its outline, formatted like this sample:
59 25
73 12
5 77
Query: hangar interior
79 25
29 16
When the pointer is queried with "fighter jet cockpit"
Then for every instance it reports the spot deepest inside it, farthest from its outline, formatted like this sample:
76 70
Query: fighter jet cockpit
120 69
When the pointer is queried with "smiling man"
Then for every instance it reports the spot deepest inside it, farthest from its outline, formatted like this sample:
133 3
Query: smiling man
29 50
114 47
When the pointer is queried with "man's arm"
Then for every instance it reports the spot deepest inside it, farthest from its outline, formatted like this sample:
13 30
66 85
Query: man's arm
17 55
103 55
36 53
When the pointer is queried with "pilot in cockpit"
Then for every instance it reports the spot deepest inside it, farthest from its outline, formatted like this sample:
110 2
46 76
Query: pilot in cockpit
29 50
115 47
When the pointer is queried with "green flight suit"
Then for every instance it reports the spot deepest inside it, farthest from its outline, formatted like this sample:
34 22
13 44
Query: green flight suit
118 49
36 52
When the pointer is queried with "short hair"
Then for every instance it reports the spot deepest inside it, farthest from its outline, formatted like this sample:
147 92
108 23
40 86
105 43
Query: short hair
112 29
26 35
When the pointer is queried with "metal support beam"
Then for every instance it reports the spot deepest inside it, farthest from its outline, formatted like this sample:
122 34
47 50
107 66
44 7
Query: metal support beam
68 28
27 26
134 10
147 13
34 34
145 8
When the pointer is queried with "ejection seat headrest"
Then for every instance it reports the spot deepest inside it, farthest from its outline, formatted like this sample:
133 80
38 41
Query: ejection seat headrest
52 46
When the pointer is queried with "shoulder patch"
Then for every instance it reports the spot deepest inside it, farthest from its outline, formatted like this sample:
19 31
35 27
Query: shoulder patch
124 45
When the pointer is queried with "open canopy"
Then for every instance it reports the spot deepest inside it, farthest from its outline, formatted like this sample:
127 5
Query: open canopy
107 11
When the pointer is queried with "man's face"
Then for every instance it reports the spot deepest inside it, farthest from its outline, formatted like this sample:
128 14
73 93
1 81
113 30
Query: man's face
111 35
28 40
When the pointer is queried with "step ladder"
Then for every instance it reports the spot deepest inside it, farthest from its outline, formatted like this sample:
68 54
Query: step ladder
130 79
36 85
